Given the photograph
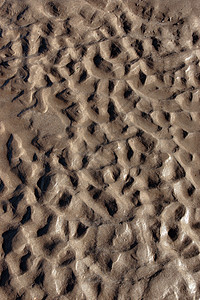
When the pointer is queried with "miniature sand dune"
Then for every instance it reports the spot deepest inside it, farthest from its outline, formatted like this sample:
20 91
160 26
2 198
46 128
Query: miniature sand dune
100 150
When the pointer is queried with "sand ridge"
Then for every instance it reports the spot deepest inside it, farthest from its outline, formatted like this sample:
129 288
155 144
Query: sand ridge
99 167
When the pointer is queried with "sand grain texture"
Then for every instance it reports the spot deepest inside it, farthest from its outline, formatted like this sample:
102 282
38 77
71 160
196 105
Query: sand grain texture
100 150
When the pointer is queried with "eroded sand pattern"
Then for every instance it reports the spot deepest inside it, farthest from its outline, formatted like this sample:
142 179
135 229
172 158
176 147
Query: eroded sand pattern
100 150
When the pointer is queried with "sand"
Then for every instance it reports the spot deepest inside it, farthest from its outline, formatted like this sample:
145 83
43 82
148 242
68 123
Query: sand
100 150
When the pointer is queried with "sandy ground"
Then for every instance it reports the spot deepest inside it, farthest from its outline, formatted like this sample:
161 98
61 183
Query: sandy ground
100 150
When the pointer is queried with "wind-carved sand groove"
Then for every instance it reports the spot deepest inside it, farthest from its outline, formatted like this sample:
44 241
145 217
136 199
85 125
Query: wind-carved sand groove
99 168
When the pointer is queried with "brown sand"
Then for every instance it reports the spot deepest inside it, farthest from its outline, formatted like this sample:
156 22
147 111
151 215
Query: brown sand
100 150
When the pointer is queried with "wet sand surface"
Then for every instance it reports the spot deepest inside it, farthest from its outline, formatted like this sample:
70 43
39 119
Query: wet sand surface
100 150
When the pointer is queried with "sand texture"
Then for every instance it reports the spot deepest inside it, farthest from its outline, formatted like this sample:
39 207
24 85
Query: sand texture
100 150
